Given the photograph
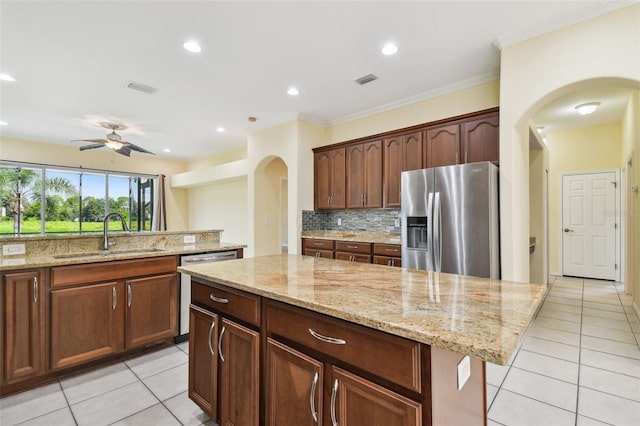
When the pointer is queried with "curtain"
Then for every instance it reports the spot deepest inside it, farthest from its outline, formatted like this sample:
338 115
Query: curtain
159 220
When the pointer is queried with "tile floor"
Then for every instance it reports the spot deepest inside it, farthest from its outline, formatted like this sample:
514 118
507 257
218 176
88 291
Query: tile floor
578 364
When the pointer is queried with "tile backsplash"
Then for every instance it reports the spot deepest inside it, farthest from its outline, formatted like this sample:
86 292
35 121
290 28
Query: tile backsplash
371 220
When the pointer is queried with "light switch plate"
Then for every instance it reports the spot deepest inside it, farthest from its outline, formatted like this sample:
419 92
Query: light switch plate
11 249
464 371
189 239
339 222
396 223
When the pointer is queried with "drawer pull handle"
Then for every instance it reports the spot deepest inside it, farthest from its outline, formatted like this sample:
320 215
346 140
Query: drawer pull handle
390 262
312 397
318 244
392 250
218 299
334 391
317 254
213 324
326 339
35 290
352 247
220 344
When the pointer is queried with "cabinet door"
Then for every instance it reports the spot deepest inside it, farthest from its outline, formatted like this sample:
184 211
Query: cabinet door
356 401
392 160
322 179
443 146
412 152
239 354
23 299
203 361
355 176
373 175
152 309
86 323
294 387
338 179
481 139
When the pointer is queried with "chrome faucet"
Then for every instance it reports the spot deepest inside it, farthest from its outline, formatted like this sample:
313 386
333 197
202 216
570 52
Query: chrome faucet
106 227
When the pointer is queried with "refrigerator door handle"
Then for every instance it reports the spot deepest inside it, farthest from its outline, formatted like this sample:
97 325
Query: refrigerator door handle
437 227
430 259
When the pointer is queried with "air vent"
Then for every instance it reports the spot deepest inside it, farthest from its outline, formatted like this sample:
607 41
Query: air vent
366 79
144 88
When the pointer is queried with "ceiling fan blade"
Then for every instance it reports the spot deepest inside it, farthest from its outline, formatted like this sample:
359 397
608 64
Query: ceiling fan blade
137 148
102 141
93 146
124 150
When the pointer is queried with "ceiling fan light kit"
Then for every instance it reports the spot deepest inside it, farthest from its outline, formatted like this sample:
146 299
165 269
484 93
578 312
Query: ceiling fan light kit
113 141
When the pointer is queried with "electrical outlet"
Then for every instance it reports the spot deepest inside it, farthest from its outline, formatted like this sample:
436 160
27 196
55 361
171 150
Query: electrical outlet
339 222
396 223
464 371
11 249
189 239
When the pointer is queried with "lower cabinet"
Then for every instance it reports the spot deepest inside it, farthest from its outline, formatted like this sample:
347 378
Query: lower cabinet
23 328
224 355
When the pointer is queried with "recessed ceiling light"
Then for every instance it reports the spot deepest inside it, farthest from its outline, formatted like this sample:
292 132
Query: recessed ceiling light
220 129
6 77
2 123
389 49
588 108
192 46
166 150
293 91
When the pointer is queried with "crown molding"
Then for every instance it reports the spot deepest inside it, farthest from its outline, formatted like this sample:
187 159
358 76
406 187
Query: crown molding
591 11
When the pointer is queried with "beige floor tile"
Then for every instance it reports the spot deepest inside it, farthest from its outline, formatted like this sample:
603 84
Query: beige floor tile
610 362
31 404
542 388
547 366
156 415
616 384
187 411
608 408
509 408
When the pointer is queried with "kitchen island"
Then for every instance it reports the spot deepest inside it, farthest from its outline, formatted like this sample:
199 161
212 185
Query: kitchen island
349 343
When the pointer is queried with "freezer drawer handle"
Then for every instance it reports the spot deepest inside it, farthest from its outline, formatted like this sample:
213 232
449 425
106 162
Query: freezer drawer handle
326 339
218 299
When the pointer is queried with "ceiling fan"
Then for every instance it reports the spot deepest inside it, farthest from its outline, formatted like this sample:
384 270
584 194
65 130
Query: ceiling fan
113 141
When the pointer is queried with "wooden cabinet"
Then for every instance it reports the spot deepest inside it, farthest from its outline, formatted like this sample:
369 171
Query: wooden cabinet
294 385
224 354
364 175
356 401
387 254
329 179
480 139
103 309
317 248
353 251
203 361
23 325
400 153
443 146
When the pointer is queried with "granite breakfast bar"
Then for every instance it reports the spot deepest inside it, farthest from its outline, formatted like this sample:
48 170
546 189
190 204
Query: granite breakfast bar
322 341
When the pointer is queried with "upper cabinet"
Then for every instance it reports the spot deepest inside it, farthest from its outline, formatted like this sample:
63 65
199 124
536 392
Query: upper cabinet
367 173
364 175
329 179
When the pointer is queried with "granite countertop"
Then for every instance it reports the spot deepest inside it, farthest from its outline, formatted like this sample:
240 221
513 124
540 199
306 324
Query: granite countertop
8 263
481 317
354 236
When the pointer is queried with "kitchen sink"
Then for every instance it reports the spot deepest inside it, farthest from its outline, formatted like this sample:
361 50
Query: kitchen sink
106 253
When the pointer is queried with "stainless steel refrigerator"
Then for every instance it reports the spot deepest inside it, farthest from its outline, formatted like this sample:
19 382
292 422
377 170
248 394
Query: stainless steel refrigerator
450 219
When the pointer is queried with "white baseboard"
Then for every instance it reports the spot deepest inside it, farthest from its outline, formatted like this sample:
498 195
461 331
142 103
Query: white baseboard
557 274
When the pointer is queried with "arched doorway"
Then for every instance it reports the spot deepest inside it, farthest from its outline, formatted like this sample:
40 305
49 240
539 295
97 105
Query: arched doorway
270 206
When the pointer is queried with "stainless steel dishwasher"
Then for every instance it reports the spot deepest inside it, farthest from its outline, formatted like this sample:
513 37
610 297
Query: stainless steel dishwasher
185 285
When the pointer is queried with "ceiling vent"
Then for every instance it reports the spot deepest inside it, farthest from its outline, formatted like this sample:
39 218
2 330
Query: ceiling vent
144 88
366 79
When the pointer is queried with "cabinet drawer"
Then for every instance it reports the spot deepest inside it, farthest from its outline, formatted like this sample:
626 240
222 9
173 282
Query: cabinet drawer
351 247
389 357
387 260
111 271
362 258
236 303
318 253
387 250
310 243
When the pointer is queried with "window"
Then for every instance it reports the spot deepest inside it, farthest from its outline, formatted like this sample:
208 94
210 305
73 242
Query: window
40 199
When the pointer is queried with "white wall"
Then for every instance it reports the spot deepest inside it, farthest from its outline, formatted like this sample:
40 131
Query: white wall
534 72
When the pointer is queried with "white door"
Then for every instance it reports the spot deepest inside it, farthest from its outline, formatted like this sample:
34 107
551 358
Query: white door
588 225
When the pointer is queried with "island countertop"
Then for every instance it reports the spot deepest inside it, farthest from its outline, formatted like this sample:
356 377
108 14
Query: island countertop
481 317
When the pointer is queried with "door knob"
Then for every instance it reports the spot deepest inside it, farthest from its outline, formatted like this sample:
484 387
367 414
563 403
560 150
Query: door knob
568 230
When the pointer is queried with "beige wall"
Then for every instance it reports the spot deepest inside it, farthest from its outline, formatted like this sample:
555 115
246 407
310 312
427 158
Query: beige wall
535 72
577 150
66 155
268 202
538 164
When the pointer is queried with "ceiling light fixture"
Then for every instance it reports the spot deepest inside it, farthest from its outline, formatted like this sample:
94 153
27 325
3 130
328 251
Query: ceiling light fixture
2 123
192 46
588 108
6 77
389 49
166 150
220 129
293 91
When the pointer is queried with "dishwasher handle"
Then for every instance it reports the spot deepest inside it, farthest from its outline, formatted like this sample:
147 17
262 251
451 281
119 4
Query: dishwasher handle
211 258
